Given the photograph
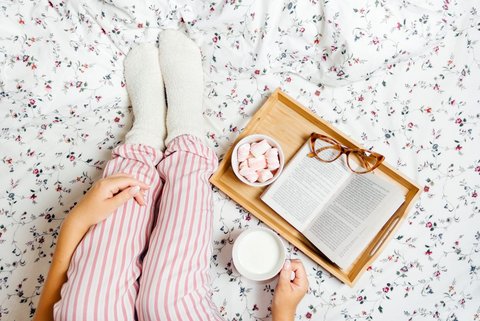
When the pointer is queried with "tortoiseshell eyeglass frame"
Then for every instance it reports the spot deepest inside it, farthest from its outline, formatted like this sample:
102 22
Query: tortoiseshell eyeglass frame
344 150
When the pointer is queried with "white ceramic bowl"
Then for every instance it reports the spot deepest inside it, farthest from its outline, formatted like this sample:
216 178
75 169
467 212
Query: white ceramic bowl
258 254
255 138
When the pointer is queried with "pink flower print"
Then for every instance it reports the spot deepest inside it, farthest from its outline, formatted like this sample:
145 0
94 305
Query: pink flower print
308 315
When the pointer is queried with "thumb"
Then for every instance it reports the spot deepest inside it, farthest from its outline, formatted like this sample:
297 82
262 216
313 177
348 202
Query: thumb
124 196
285 273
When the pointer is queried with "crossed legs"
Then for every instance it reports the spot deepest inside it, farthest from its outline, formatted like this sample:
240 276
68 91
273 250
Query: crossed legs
151 262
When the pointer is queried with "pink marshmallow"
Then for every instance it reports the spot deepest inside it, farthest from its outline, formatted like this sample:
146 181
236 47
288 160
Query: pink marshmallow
260 148
271 153
264 175
242 165
272 158
257 163
272 165
250 174
243 152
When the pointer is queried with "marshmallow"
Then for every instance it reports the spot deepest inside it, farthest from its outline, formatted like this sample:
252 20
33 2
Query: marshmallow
272 165
273 161
260 148
250 174
257 163
271 153
242 165
264 175
243 152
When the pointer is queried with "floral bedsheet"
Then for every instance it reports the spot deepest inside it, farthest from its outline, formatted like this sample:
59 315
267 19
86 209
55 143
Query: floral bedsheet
401 77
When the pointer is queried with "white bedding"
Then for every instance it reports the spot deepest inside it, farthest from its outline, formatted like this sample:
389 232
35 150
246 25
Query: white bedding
399 77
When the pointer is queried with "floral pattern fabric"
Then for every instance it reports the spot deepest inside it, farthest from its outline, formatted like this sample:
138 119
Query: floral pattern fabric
400 77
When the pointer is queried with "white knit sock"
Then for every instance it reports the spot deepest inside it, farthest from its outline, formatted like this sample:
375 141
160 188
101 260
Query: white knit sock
181 65
147 95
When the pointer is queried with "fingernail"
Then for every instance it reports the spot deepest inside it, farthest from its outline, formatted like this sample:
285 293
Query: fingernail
287 265
134 190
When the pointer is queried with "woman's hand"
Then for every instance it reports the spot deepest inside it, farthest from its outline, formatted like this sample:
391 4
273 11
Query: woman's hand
105 196
289 293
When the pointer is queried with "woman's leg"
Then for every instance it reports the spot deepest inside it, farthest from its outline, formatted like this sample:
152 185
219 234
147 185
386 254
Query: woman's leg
102 277
103 274
175 283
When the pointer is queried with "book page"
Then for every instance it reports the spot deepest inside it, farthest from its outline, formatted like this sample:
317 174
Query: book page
353 217
304 187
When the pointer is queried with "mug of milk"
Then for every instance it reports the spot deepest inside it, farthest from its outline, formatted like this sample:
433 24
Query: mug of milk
258 254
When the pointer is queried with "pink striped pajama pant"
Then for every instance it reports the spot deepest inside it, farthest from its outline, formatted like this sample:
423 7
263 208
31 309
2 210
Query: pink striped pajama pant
150 262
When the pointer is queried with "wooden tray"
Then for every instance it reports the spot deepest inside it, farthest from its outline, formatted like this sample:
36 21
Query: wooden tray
290 124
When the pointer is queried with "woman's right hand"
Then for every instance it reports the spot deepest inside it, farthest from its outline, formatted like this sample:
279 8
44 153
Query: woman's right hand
105 196
289 293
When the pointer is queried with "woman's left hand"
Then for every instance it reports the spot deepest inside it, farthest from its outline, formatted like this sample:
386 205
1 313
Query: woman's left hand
105 196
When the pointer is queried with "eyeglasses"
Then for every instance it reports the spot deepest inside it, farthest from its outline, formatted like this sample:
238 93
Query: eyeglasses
327 149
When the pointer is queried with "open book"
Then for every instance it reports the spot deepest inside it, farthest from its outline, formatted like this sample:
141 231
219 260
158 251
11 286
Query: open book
339 211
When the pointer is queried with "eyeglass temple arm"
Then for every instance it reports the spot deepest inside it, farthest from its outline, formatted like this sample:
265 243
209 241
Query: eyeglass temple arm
312 154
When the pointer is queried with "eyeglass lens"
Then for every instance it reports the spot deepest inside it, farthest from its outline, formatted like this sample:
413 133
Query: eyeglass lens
361 161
